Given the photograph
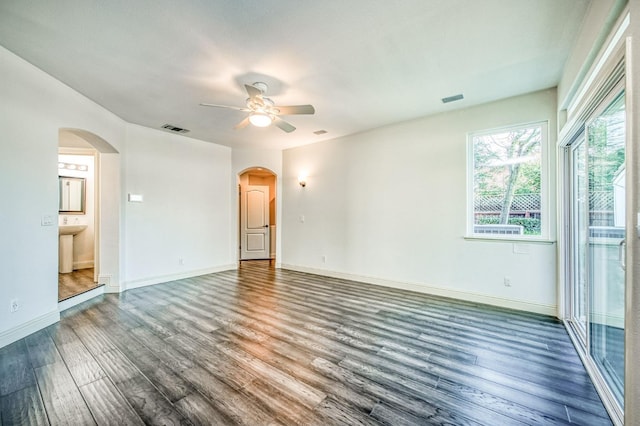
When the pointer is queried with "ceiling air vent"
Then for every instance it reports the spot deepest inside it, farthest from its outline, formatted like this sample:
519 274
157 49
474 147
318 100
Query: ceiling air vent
320 132
174 128
452 98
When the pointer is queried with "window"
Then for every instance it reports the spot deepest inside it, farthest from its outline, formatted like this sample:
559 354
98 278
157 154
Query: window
507 182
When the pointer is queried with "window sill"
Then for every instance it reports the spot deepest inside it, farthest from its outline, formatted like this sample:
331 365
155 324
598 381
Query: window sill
498 239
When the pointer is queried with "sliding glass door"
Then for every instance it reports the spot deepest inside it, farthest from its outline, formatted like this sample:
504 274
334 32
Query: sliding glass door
597 228
580 231
606 182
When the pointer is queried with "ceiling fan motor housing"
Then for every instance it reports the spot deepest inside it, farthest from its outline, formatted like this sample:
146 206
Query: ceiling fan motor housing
261 86
262 110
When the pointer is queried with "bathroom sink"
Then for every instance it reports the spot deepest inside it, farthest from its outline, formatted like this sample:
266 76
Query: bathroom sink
71 229
65 246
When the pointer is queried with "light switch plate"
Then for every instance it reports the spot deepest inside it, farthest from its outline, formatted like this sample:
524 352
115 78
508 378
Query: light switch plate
47 220
136 198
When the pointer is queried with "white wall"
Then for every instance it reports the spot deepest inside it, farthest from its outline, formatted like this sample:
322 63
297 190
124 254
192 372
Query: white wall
186 184
596 25
33 107
389 206
185 214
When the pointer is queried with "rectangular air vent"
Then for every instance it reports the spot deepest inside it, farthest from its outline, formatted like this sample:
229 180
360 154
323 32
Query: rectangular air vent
174 128
320 132
452 98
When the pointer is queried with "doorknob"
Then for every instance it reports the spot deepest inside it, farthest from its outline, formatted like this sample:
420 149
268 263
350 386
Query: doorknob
266 226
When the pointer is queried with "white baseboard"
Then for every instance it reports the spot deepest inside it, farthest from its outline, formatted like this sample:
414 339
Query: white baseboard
109 287
76 300
128 285
83 265
519 305
36 324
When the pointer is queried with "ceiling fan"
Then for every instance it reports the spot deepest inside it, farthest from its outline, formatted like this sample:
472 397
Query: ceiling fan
263 111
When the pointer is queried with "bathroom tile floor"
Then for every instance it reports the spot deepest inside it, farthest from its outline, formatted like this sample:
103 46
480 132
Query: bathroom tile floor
75 283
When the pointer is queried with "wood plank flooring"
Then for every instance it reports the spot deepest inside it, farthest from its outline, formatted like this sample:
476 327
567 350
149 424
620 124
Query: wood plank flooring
260 346
74 283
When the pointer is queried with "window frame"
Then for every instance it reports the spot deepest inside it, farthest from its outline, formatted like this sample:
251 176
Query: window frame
544 184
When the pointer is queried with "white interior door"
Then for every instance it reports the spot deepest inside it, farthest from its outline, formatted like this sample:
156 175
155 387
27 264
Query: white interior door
254 218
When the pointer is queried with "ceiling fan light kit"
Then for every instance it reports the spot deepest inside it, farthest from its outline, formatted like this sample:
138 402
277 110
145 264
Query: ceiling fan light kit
262 110
260 119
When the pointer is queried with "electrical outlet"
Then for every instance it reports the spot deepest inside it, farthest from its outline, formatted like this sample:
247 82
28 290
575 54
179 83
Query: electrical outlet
180 261
14 305
507 281
324 259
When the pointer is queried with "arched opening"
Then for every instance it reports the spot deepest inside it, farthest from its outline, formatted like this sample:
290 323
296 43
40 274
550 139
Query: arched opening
257 214
88 215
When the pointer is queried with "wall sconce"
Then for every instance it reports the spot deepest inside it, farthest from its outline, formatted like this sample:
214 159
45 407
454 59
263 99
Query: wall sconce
302 180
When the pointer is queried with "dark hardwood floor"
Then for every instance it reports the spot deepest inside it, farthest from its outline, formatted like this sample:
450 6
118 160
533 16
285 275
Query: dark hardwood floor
75 283
260 346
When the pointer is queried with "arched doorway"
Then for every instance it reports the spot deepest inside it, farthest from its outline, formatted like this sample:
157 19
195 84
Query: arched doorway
257 214
100 216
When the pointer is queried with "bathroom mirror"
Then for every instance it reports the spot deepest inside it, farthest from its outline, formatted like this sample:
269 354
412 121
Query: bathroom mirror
71 194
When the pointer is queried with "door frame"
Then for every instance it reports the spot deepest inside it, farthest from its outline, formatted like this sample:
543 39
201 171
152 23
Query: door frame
610 80
581 332
108 175
273 217
91 152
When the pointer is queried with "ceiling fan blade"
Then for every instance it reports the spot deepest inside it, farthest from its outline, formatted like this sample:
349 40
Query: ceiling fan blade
226 106
241 125
252 91
279 122
295 109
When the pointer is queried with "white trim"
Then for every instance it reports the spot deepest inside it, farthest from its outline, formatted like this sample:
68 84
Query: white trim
545 168
128 285
83 297
519 305
109 287
92 152
67 150
606 79
509 239
632 278
29 327
83 264
563 246
586 86
607 319
601 89
609 402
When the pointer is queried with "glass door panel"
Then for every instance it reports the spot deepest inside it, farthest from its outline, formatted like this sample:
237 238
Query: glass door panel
579 233
606 232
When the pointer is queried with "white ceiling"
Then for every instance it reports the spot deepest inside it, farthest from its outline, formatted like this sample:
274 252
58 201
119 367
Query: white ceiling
361 63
